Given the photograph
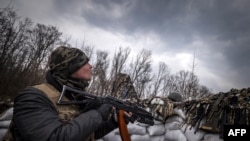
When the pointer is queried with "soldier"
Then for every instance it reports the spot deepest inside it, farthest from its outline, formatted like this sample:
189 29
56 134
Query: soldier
38 116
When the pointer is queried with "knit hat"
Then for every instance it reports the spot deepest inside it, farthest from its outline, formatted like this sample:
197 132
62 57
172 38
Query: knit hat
64 61
67 60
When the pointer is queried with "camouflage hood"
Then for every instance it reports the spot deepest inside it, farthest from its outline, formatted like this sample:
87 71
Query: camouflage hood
63 62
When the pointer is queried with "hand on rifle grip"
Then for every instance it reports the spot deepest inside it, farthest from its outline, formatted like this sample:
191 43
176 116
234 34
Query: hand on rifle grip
127 116
105 110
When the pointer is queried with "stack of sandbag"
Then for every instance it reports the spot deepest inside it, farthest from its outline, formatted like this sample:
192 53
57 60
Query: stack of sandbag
170 130
169 126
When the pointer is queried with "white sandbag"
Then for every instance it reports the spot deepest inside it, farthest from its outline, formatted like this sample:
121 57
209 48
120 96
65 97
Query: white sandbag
141 124
157 101
158 119
173 125
179 112
116 131
112 137
156 130
133 129
140 138
157 138
175 118
136 129
191 134
7 115
212 137
175 135
157 122
2 133
5 123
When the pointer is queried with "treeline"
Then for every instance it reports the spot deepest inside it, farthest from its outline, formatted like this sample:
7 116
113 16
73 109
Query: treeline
24 49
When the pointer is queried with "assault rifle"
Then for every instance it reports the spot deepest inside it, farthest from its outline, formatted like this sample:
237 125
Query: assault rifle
138 113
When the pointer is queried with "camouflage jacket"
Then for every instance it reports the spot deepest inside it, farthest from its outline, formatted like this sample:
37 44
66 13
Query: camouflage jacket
37 118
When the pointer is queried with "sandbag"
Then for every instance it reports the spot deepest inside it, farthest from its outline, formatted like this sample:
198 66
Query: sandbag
173 125
133 129
7 115
140 138
175 135
156 130
212 137
4 124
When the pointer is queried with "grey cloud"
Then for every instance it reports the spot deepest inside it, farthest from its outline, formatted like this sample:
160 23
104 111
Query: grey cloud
223 25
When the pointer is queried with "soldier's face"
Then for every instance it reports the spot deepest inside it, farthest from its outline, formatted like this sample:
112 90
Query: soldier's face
84 73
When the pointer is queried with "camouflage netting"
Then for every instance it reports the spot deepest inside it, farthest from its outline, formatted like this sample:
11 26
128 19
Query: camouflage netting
123 87
211 113
160 107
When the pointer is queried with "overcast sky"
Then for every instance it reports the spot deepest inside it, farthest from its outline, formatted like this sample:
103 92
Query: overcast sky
217 30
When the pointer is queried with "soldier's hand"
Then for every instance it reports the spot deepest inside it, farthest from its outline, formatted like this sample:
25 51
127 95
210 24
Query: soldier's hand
105 111
127 115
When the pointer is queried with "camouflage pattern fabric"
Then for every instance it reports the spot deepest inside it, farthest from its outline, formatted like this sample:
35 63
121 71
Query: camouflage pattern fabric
220 109
161 108
63 62
65 112
123 87
67 59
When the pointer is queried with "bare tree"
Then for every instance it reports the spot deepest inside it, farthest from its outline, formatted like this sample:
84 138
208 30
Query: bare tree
203 91
100 80
42 40
140 71
182 82
161 76
119 60
192 85
88 50
12 38
23 50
